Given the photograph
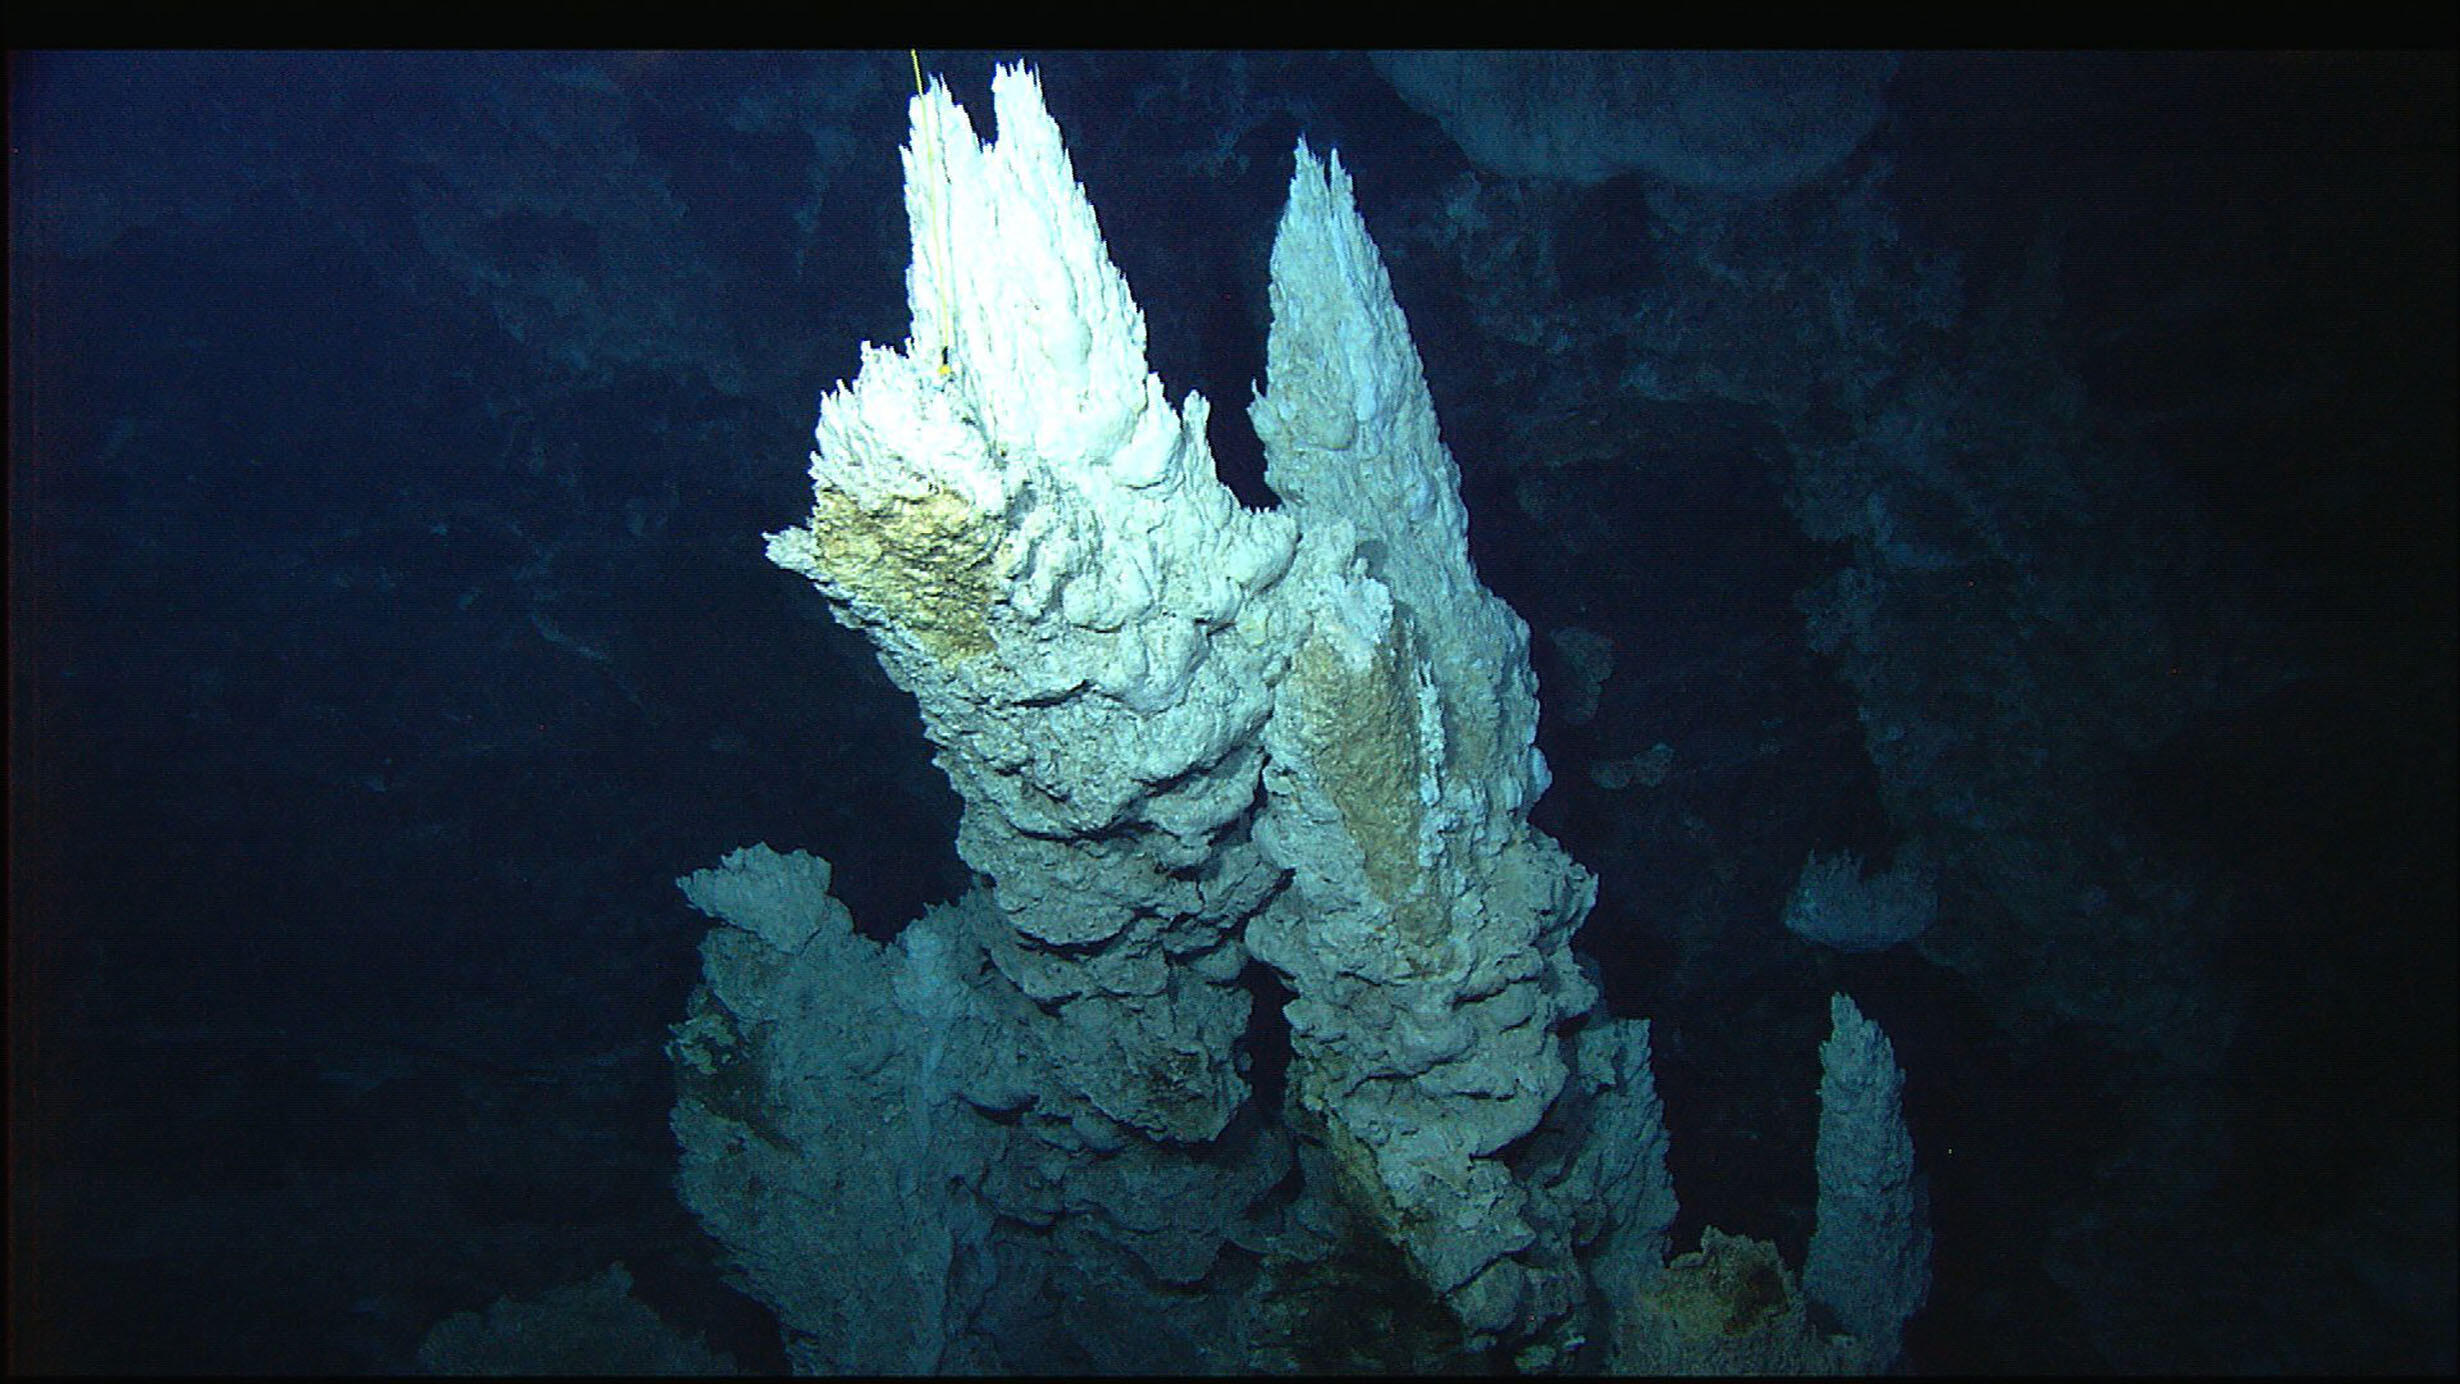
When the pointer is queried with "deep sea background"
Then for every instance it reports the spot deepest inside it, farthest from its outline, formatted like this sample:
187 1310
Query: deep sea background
391 438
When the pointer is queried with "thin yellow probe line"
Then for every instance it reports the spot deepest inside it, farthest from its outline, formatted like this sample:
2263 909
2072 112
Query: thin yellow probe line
934 161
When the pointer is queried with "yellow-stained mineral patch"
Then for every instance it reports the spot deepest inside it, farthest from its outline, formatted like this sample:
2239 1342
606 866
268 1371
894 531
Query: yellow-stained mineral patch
922 564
